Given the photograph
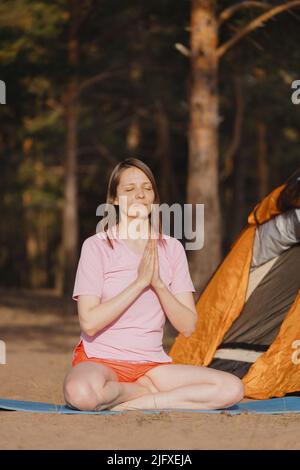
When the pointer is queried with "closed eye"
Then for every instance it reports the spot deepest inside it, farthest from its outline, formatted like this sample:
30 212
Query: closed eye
147 189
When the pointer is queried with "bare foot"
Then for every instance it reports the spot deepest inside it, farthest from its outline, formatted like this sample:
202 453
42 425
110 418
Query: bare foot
142 403
120 407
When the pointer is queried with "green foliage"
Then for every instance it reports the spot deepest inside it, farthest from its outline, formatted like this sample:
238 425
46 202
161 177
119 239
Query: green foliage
132 45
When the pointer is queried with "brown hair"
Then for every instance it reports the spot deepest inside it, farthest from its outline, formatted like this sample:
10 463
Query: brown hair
289 197
114 181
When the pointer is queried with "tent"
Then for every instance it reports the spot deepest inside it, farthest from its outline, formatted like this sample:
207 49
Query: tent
274 369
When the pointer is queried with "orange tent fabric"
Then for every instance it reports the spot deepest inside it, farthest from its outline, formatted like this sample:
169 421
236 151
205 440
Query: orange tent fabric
275 372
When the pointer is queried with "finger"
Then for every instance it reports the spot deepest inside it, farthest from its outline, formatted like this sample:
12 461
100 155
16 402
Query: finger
149 255
154 248
156 252
147 248
145 252
149 243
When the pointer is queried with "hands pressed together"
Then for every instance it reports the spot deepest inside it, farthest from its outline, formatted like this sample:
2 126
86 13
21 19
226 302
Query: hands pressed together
148 270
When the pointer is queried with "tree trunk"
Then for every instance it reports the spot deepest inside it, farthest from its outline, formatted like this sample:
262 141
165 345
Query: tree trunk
133 139
70 208
262 167
203 185
163 154
238 218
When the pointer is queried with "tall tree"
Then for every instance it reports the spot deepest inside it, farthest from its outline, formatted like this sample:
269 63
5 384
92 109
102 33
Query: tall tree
70 209
202 185
203 166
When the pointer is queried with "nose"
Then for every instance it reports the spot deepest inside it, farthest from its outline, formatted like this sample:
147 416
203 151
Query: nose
140 194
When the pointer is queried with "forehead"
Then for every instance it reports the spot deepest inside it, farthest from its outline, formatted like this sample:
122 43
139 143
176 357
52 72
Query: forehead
133 175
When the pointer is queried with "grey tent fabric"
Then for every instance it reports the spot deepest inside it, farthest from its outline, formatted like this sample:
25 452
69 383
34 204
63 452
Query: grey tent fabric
276 236
259 322
269 302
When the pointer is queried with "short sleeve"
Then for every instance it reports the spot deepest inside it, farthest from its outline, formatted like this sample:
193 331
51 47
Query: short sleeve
181 279
89 275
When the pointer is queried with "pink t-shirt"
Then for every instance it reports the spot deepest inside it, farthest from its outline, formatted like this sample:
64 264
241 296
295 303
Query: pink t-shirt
136 335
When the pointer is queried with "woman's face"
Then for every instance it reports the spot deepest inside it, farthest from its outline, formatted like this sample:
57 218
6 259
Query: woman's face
137 191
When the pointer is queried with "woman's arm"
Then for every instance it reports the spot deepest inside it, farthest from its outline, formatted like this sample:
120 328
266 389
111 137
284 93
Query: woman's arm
179 308
94 315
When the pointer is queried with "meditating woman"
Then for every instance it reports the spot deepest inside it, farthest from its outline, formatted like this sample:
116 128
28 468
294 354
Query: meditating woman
125 287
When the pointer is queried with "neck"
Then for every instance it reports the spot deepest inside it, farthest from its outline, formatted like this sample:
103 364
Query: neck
139 230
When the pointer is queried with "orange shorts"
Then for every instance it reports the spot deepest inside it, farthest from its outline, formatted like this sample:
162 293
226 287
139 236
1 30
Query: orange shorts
126 371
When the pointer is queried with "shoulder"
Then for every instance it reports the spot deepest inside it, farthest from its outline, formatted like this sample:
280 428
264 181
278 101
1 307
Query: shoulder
174 246
94 244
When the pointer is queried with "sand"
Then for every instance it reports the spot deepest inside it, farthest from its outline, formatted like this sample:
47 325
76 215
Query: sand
40 336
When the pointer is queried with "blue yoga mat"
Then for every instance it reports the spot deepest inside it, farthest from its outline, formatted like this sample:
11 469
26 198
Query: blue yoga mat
273 406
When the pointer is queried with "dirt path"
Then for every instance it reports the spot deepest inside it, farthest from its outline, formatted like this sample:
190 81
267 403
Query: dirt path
39 340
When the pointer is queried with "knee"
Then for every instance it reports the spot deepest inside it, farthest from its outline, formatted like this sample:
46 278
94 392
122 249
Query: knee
231 391
81 396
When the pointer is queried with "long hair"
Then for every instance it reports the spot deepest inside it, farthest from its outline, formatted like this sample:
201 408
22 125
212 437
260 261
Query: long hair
289 197
113 183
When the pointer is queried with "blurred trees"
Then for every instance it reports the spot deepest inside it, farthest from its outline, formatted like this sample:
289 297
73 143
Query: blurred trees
90 83
206 52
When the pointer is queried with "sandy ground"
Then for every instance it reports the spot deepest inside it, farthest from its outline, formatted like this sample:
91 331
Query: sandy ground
40 336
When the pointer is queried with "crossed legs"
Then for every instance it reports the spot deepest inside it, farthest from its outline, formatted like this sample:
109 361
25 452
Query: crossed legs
93 386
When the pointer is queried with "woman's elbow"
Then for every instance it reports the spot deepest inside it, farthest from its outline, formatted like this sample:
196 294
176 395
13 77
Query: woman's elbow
88 331
86 328
189 332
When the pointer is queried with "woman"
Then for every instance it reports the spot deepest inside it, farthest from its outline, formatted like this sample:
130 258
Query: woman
125 288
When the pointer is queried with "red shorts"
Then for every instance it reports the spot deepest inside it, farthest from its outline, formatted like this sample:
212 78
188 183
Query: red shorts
126 371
